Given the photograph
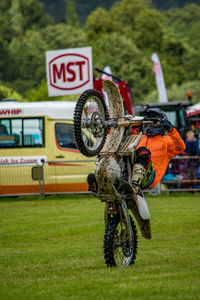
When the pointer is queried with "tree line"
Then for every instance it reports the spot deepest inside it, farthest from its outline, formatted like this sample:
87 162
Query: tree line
85 7
123 37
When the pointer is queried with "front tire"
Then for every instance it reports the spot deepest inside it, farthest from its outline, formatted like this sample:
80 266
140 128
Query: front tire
119 251
89 117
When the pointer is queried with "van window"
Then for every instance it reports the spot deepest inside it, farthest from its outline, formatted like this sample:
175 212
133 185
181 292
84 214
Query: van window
21 132
65 136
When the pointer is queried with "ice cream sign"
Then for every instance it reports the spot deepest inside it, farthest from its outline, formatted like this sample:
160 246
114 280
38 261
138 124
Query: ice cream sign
16 160
10 112
69 71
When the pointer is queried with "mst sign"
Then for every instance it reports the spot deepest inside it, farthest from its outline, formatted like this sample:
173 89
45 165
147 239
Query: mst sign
69 71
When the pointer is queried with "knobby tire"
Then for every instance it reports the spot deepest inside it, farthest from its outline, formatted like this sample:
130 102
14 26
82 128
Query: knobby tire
77 122
109 239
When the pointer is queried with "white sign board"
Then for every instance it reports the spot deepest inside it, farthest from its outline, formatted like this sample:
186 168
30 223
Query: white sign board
69 71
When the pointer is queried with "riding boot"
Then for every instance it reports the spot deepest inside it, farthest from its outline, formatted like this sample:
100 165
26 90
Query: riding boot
92 182
132 187
137 176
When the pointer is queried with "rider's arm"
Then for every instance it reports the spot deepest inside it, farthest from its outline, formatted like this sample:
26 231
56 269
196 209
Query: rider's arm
175 145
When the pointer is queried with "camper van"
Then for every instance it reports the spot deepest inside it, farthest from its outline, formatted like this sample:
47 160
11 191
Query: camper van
38 153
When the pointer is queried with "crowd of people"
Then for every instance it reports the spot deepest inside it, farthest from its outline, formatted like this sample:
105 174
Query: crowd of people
186 167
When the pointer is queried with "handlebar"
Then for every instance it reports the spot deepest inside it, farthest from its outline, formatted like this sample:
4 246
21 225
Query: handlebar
127 121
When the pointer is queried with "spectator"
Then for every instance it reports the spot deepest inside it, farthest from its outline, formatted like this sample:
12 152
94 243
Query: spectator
192 144
192 149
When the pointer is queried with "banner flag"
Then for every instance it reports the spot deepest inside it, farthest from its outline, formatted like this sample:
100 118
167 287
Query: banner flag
160 82
107 69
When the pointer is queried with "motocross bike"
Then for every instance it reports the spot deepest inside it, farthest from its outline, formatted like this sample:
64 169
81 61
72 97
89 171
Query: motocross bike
107 136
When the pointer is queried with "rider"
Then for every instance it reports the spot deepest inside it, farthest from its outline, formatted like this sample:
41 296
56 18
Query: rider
154 151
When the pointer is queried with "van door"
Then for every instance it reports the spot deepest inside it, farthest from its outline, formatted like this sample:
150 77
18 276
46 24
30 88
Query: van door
69 168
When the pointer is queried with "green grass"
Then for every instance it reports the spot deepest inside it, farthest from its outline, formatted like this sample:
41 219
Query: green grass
52 249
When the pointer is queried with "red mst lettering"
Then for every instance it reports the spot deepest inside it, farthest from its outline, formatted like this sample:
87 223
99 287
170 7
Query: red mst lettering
71 71
74 69
80 65
59 73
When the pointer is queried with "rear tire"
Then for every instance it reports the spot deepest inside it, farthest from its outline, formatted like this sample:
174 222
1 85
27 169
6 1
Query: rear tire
115 244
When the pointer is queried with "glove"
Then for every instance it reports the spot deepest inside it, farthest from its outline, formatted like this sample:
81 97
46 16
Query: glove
166 124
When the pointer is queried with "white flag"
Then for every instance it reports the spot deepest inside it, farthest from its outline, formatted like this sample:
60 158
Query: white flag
107 70
160 82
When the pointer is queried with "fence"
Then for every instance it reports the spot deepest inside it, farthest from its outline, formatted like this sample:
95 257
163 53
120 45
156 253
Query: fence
69 176
21 179
183 174
50 177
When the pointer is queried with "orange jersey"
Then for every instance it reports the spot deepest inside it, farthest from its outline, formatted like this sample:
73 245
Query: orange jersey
162 148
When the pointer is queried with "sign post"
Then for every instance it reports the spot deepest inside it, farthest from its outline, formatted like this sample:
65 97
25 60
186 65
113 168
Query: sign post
69 71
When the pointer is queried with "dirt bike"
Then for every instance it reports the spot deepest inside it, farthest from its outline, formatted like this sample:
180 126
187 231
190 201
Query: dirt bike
107 135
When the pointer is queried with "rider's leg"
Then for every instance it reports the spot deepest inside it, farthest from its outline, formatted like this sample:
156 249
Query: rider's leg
137 176
140 167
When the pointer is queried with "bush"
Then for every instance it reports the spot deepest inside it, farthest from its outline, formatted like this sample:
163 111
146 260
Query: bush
6 92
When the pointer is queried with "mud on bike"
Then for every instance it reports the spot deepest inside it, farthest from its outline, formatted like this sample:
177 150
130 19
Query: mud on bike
107 136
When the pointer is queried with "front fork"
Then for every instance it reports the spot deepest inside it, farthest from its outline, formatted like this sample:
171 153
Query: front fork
127 218
110 209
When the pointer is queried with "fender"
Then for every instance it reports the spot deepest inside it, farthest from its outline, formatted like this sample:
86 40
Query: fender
116 110
108 168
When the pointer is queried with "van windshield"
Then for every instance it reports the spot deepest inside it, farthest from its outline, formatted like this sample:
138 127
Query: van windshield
21 132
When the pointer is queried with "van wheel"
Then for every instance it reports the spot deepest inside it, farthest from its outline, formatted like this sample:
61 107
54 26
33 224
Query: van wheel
89 116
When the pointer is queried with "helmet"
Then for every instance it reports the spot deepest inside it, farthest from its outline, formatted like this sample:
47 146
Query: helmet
156 115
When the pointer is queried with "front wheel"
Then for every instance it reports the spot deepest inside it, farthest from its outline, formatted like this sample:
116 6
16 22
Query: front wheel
89 123
119 250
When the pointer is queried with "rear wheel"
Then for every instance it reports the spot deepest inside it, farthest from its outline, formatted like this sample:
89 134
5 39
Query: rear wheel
119 250
89 128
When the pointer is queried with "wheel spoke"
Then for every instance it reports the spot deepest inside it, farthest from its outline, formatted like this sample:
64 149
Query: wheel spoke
92 114
89 117
119 256
119 249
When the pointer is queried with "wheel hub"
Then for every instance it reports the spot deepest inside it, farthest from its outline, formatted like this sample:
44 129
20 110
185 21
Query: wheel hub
96 125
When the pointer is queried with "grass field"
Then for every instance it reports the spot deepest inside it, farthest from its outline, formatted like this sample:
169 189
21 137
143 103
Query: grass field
52 249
